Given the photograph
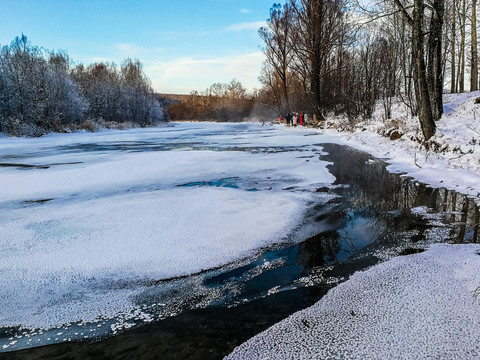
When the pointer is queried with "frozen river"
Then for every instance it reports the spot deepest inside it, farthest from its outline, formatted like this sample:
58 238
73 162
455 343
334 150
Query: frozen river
94 224
232 225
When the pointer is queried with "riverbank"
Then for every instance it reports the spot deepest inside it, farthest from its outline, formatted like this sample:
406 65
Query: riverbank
418 306
413 307
451 158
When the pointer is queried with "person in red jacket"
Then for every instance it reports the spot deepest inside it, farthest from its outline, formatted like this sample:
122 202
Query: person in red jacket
301 118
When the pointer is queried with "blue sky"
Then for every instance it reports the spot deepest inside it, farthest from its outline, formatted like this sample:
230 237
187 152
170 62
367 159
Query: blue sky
184 45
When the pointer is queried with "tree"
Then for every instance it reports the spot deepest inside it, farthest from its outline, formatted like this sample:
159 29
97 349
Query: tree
428 84
453 82
235 90
474 49
435 59
271 86
36 94
322 26
461 63
277 37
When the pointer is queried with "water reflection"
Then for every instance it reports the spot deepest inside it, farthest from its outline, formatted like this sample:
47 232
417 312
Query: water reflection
385 194
374 215
376 210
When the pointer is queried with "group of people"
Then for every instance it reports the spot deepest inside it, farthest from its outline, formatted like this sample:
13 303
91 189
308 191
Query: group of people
294 119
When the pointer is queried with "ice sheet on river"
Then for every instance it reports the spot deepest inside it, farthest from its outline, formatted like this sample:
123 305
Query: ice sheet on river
108 212
420 306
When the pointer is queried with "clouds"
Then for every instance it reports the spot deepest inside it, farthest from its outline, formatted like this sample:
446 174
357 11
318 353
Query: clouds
246 26
199 42
184 74
189 61
189 70
183 61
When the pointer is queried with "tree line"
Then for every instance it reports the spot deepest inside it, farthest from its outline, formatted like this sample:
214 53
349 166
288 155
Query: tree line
40 92
226 102
341 56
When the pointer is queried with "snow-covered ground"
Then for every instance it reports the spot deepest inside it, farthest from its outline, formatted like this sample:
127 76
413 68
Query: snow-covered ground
414 307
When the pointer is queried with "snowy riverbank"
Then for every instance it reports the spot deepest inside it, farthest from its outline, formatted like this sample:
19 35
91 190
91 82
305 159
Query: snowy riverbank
456 166
412 307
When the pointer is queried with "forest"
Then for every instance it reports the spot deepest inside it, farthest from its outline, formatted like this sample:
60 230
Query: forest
40 91
322 57
347 56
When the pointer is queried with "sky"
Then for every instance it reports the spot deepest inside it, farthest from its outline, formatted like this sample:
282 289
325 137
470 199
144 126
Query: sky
184 45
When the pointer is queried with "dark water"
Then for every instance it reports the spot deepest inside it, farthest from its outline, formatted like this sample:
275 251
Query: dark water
376 215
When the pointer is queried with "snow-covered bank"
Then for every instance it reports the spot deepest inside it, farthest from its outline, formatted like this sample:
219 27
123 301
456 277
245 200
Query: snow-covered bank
414 307
454 165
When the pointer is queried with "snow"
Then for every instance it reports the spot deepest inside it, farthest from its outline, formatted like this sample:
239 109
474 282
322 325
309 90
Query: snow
84 233
456 166
78 247
107 213
413 307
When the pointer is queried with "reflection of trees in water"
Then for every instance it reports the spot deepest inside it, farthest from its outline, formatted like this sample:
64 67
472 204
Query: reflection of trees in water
459 211
319 250
372 186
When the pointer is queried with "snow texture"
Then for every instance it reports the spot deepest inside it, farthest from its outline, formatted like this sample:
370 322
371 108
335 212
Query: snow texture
104 214
421 306
413 307
98 217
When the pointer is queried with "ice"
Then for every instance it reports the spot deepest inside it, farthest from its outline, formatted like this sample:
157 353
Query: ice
118 219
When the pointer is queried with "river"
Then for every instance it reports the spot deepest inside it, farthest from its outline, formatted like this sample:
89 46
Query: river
359 216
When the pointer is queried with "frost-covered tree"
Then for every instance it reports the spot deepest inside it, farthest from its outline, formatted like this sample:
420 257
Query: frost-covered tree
114 95
39 92
36 95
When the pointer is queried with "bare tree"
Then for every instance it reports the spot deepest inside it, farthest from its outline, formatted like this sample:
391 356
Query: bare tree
461 62
435 59
453 82
271 86
322 24
428 84
277 50
474 49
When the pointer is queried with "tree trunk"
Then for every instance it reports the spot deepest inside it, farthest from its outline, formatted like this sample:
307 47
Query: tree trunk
434 71
474 60
462 49
315 84
425 113
453 88
285 102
